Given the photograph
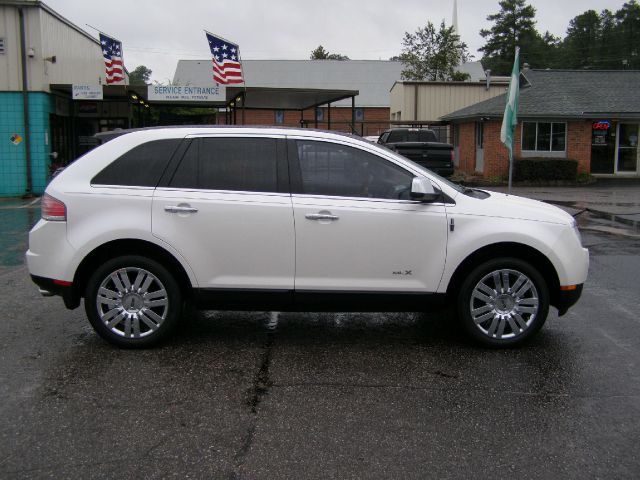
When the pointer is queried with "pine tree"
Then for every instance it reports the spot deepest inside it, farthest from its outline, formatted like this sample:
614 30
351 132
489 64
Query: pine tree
581 45
628 35
514 25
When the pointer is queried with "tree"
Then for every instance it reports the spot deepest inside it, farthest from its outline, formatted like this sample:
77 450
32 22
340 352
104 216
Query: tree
628 34
581 45
430 54
140 75
605 40
514 25
321 54
607 49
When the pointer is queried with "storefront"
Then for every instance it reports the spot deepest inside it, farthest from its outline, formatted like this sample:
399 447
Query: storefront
614 147
562 114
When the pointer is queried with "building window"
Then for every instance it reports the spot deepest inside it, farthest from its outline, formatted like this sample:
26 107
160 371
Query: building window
456 135
544 136
319 115
359 114
279 117
1 45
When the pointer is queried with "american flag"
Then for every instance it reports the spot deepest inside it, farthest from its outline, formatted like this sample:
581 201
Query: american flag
226 60
112 53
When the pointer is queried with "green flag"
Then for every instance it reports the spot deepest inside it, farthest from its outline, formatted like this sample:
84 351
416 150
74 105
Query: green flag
510 118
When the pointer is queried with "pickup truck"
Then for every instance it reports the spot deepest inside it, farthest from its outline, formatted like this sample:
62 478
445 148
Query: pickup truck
420 146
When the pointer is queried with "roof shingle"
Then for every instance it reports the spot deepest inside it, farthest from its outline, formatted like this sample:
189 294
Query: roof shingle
567 94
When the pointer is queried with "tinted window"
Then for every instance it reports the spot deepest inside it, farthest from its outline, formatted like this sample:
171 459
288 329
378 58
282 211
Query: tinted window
338 170
141 166
242 164
412 136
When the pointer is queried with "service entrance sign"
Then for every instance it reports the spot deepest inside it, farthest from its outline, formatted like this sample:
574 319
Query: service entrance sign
186 93
86 92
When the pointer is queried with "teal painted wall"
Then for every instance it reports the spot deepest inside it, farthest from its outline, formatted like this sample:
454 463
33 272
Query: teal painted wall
13 179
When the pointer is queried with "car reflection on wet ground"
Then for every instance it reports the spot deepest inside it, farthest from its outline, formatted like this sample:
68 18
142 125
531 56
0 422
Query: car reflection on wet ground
302 395
16 217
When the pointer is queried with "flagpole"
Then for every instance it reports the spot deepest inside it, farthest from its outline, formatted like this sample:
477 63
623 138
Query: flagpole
510 169
103 33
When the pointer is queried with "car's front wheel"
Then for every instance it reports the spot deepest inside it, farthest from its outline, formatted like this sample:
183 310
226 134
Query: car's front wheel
133 301
503 302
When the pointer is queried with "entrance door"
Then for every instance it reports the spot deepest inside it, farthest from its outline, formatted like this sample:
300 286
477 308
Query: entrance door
479 147
627 159
603 146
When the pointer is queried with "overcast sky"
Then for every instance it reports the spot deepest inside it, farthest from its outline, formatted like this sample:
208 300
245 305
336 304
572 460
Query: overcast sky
157 33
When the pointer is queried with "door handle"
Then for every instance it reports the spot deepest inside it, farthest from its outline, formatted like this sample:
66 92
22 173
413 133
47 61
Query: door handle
180 209
321 216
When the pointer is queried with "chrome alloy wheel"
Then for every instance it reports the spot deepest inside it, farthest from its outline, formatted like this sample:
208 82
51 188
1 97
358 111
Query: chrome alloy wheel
504 303
132 302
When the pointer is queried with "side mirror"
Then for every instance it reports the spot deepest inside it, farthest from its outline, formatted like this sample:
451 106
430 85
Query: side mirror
423 191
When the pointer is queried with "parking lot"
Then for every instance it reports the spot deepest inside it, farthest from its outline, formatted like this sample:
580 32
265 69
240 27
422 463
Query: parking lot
299 395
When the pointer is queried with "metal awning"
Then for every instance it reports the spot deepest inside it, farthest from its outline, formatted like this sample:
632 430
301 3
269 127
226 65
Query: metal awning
285 98
238 99
254 97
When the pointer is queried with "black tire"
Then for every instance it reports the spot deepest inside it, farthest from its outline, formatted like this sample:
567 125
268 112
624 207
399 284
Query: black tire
139 311
509 316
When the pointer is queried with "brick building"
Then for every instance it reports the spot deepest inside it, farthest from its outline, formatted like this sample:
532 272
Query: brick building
373 79
589 116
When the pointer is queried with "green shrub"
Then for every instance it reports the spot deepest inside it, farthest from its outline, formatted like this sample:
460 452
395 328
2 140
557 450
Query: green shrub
534 169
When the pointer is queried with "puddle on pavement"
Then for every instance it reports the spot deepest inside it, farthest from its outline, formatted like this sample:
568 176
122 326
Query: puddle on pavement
588 216
16 219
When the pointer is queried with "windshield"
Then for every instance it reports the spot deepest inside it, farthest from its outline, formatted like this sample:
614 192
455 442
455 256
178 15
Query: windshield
412 136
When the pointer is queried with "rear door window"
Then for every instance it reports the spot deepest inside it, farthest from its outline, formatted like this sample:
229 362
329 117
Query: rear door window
237 164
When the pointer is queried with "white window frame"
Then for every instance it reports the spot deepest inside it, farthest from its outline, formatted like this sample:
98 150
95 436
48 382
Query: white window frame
543 153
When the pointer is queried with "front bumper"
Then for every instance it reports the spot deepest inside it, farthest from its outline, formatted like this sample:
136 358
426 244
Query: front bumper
565 299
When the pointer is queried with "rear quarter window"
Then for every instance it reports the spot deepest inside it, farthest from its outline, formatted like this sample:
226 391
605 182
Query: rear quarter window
142 166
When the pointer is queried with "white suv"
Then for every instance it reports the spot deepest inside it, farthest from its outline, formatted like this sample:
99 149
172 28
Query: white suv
292 219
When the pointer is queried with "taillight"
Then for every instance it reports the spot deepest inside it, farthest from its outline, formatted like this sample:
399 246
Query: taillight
53 209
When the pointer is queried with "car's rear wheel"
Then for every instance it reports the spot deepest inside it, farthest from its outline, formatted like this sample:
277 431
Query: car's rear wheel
133 301
503 302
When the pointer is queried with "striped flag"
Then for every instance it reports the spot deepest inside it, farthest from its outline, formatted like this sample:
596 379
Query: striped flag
112 53
225 55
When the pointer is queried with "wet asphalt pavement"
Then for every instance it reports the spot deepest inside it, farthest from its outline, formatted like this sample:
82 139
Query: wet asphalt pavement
267 395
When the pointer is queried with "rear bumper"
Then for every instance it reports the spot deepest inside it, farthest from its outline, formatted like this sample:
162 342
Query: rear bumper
565 299
48 287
